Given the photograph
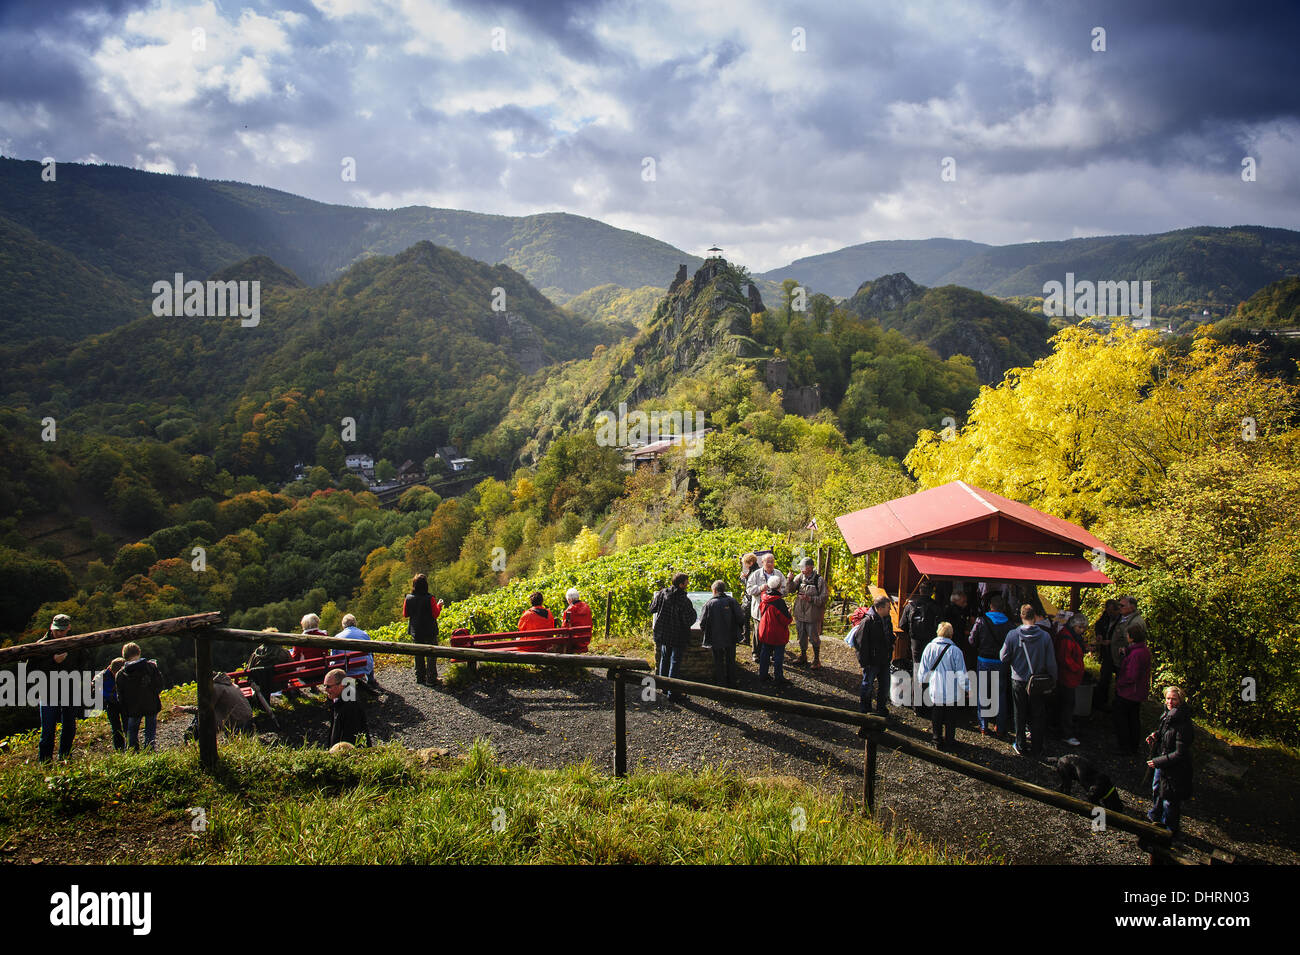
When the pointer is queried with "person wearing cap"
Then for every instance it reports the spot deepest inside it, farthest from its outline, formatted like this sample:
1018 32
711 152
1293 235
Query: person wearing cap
57 718
811 594
577 612
773 631
347 712
721 623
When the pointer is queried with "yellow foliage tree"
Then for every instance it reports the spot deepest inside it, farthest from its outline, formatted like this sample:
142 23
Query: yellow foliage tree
1097 424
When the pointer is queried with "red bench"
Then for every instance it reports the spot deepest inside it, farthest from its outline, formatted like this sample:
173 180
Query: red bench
298 674
560 640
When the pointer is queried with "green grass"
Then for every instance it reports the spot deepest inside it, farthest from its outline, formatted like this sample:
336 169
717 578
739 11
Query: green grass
285 805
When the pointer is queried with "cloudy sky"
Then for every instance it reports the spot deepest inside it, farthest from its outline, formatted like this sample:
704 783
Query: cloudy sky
774 129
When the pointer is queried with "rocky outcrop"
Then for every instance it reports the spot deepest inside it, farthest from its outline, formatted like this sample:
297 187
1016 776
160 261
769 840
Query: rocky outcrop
694 321
888 293
795 399
525 343
679 280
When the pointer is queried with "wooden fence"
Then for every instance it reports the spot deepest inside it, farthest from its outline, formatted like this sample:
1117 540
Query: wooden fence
204 628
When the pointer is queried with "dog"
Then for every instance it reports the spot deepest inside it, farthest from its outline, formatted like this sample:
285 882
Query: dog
1100 790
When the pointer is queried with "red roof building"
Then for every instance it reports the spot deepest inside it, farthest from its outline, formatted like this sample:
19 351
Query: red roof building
960 532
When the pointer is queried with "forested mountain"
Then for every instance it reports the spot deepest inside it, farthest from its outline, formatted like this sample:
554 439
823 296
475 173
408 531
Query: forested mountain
1199 265
409 346
140 227
46 292
1274 306
956 321
840 272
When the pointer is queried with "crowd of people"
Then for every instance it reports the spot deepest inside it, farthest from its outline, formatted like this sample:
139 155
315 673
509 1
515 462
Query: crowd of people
1025 675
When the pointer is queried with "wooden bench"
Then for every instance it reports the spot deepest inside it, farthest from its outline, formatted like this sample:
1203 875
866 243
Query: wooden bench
295 675
560 640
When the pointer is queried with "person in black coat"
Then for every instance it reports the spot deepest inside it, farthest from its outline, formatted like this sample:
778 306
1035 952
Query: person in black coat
139 684
721 623
421 613
920 621
1171 758
347 713
875 647
672 627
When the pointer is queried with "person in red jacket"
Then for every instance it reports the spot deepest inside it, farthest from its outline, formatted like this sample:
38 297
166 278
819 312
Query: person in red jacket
578 612
1069 672
537 617
773 630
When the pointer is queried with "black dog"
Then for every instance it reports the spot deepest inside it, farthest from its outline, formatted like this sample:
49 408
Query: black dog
1100 790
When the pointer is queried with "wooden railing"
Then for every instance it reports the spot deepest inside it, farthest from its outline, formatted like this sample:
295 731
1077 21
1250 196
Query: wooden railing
204 629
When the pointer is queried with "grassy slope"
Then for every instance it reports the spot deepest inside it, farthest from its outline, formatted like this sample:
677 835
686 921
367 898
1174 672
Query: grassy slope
388 805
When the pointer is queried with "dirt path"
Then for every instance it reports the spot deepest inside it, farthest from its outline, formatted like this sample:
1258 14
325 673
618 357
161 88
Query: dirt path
554 719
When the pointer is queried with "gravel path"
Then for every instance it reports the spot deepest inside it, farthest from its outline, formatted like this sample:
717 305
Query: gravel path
558 718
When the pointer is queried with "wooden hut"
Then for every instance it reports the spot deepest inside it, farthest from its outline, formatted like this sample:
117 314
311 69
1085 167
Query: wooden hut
960 533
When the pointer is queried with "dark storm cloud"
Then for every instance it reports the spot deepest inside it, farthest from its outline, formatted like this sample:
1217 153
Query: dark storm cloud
780 152
566 22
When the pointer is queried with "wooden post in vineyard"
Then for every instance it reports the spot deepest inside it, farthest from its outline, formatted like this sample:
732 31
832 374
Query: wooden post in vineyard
609 602
620 724
869 777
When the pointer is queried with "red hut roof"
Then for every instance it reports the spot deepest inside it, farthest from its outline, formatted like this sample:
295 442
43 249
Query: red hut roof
927 513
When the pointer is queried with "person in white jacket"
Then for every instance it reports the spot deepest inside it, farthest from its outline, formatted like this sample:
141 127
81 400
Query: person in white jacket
943 668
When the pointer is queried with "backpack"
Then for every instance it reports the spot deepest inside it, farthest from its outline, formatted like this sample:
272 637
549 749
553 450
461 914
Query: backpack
922 625
267 655
261 665
656 611
1040 684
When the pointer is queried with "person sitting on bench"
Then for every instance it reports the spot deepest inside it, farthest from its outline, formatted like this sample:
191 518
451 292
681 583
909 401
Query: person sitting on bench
362 669
537 617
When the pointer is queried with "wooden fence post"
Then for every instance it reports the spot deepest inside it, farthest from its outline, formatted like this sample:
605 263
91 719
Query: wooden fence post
207 719
620 725
609 603
869 778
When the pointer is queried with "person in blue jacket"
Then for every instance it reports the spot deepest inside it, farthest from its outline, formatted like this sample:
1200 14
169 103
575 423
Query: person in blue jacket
987 636
113 706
